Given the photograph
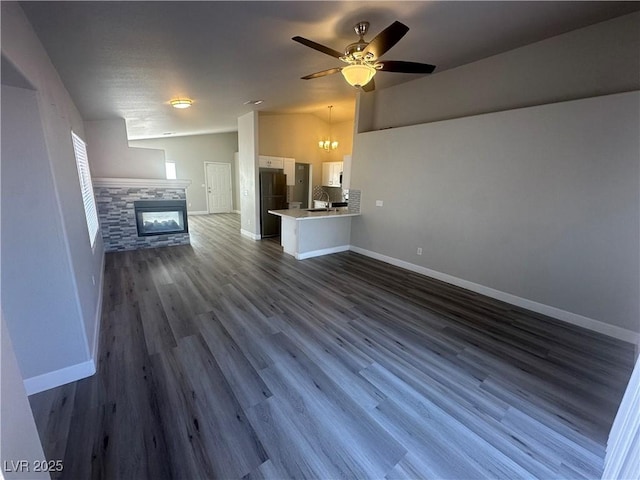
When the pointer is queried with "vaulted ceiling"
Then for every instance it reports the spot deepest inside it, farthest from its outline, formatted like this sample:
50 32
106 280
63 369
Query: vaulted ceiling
128 59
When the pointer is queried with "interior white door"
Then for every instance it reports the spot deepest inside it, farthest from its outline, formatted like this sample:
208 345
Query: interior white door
218 187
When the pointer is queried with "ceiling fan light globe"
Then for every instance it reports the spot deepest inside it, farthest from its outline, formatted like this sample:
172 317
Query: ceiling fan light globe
358 75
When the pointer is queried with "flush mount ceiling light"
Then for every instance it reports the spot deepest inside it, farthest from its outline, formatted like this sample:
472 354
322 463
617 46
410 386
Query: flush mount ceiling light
253 102
181 103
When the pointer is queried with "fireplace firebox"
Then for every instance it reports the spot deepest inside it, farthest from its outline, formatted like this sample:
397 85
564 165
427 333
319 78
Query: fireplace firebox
161 217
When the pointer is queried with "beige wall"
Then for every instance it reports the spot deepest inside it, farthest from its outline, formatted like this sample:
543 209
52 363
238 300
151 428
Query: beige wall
297 136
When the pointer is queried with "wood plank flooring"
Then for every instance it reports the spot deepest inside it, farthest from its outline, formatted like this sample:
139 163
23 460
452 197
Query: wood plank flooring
228 359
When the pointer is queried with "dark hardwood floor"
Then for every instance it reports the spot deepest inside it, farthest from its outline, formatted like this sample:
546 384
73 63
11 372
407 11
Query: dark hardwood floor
228 359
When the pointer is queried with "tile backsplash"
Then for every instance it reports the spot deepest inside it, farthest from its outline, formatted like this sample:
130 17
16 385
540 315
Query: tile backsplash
354 200
339 195
335 193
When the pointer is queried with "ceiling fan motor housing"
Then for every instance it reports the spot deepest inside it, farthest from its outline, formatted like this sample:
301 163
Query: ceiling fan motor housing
353 51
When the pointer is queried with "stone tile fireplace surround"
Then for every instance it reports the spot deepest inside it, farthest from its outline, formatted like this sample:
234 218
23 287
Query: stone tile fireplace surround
115 199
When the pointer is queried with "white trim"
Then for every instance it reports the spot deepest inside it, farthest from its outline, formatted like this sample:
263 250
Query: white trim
324 251
96 333
251 235
49 380
197 212
140 182
557 313
618 461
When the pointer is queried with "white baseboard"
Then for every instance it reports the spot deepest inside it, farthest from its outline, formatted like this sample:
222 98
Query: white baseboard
248 234
49 380
324 251
197 212
557 313
236 211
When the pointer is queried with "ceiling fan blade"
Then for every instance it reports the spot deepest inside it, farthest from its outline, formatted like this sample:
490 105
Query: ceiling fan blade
370 86
405 67
323 73
386 39
318 47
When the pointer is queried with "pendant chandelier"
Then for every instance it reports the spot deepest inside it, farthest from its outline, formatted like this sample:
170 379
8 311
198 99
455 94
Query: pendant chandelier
328 144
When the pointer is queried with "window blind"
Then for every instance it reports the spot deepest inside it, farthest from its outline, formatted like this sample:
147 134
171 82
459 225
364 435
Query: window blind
86 187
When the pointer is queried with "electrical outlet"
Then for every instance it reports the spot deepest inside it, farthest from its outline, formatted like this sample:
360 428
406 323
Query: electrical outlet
379 203
419 252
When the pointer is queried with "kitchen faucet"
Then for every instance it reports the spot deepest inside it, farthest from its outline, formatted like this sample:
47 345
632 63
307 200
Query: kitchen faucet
324 192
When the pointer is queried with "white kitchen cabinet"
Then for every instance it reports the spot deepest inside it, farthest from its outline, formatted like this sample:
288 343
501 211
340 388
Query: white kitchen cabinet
280 163
290 170
266 161
331 173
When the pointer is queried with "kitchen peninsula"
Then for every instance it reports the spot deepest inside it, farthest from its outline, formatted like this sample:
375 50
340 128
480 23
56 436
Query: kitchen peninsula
306 234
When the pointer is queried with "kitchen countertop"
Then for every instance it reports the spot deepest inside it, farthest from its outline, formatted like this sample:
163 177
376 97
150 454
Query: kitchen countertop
301 214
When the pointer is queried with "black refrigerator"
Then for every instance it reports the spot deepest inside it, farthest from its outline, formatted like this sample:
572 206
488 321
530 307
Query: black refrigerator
273 196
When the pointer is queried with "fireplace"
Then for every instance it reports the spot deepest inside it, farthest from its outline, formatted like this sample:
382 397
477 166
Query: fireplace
161 217
121 220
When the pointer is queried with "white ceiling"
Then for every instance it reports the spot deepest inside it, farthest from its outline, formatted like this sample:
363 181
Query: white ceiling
128 59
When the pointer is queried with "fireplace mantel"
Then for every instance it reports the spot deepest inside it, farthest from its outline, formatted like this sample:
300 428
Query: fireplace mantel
140 182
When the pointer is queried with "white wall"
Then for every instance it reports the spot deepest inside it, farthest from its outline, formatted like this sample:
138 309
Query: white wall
591 61
189 153
110 155
39 296
622 459
18 435
248 166
72 329
236 181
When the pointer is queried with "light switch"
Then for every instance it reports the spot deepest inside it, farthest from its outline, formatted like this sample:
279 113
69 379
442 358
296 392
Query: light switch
379 203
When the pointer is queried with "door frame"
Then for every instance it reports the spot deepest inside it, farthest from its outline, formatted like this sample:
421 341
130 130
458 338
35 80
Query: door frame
206 184
310 199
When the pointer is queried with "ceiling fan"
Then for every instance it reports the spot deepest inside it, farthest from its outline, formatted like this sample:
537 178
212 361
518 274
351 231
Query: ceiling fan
363 58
